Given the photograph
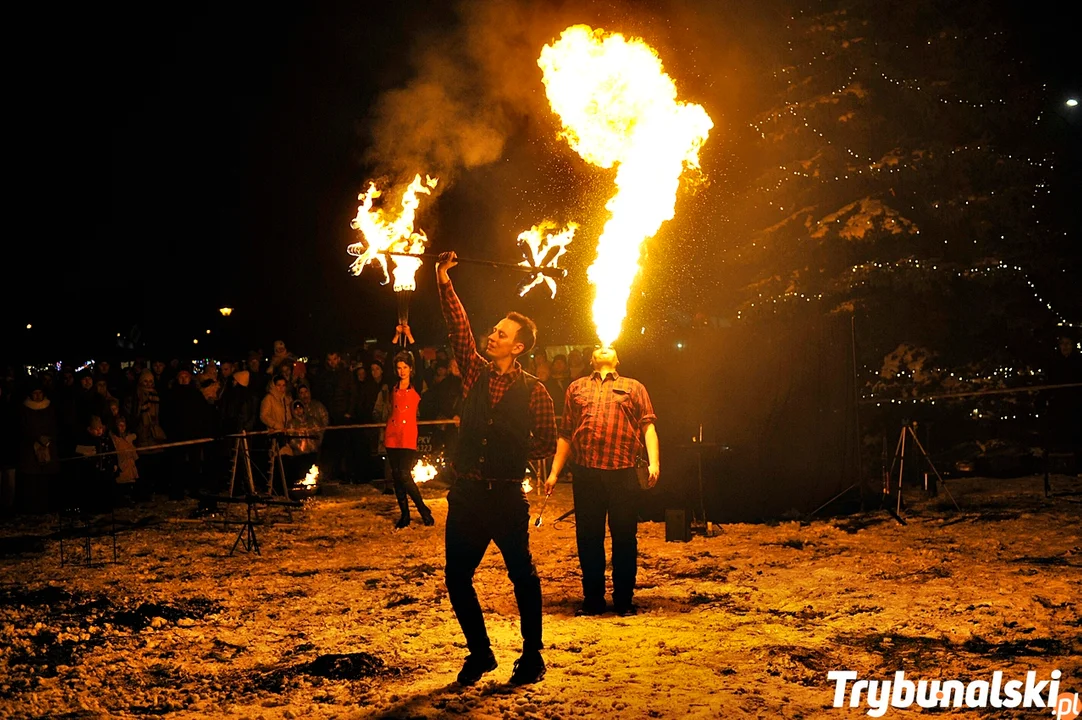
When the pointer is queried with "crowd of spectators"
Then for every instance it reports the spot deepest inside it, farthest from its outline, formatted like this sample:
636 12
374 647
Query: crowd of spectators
119 413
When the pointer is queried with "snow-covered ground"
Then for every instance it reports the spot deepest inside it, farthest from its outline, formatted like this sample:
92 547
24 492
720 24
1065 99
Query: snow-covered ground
342 616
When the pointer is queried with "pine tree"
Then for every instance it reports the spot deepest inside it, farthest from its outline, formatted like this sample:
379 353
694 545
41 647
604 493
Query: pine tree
902 175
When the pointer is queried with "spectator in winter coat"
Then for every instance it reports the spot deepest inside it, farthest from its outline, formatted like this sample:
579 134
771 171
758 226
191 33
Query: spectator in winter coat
9 452
273 411
280 357
335 390
315 412
94 489
225 376
148 430
186 415
87 401
39 465
124 442
158 368
239 405
208 383
303 444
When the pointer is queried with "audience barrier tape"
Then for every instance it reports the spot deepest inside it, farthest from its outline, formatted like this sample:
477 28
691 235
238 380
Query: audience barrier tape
257 433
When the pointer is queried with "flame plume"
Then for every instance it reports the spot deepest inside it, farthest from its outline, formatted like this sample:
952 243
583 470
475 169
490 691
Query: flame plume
542 247
423 472
384 232
619 108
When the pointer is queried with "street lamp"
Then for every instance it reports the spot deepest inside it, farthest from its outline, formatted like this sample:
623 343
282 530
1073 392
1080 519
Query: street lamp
226 311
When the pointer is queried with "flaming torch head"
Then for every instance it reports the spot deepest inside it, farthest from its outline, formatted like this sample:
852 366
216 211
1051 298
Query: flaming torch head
619 109
542 246
385 231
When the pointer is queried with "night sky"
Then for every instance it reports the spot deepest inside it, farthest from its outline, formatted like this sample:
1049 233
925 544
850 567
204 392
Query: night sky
178 162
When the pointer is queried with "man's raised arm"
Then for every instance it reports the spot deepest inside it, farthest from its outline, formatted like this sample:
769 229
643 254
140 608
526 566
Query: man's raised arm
459 332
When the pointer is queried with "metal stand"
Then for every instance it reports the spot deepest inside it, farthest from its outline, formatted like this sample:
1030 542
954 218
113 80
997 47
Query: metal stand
699 516
246 537
899 460
276 462
243 450
80 527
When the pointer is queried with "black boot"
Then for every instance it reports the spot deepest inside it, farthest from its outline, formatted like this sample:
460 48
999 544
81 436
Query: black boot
418 501
529 668
403 505
476 665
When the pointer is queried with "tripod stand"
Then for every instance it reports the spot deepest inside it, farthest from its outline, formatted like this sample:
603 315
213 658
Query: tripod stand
242 450
909 429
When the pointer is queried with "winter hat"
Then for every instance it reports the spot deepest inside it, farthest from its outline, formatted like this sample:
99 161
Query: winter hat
241 377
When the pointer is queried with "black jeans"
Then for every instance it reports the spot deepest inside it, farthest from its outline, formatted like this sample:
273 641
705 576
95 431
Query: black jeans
476 516
599 493
402 461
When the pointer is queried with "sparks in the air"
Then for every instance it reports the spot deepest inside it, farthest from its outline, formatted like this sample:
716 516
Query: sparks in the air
386 231
619 109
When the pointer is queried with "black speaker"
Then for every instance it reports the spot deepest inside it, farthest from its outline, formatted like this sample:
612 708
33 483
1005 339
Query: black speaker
677 525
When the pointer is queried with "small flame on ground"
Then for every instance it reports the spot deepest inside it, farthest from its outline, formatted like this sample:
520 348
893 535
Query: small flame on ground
619 109
311 477
423 472
542 246
385 231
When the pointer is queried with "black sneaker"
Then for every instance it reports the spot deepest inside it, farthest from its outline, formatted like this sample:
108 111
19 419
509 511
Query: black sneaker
529 668
428 520
403 522
626 610
475 666
592 608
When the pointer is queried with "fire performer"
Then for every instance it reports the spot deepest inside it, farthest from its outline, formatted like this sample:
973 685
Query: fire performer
607 419
401 439
507 420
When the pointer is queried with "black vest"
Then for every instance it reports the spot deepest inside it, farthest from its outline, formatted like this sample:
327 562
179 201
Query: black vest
495 441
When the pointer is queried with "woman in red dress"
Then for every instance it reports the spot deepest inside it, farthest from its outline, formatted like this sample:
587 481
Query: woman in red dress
401 441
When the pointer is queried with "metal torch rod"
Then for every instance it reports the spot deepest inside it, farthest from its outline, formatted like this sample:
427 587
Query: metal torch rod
551 271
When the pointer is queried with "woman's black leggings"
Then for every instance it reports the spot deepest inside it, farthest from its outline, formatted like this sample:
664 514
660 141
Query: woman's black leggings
402 461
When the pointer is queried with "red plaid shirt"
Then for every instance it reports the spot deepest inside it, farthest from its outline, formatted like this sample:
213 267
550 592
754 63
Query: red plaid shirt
603 420
471 362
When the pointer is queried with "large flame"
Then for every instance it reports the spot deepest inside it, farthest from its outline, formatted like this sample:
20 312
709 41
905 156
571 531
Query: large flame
385 231
542 246
311 477
619 108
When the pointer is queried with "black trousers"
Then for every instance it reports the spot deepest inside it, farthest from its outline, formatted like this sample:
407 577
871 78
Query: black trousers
613 493
476 516
402 461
